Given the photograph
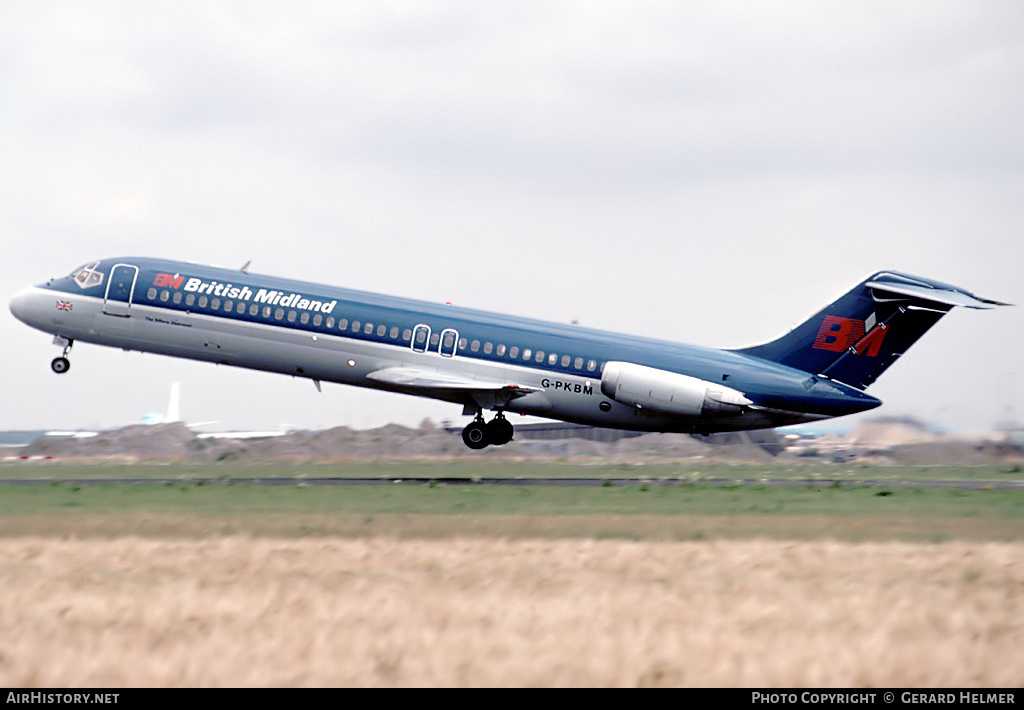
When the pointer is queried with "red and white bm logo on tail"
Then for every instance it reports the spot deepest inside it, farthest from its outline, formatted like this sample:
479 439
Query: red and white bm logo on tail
838 334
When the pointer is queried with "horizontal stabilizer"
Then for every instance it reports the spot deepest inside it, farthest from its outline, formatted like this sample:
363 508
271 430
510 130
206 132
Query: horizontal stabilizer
935 294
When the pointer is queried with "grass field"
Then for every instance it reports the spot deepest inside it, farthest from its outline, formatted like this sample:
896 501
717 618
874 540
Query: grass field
683 472
672 581
235 611
664 507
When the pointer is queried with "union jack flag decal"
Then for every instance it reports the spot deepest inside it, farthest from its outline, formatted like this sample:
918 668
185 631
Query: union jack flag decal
64 305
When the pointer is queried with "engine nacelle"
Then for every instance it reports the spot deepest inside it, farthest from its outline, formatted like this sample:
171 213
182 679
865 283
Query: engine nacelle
663 391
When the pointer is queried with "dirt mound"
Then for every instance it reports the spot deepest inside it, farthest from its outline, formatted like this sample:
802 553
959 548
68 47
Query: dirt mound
899 442
161 442
887 435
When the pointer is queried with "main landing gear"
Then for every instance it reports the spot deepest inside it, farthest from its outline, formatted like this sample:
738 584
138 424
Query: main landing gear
61 364
479 433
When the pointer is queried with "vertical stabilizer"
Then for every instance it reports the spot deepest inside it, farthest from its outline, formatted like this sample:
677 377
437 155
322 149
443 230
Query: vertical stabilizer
856 338
173 415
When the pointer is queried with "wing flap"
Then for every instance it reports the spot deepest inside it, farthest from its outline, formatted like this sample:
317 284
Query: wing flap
413 378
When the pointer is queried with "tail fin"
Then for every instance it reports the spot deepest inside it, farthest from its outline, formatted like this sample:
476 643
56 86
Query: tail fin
173 413
855 339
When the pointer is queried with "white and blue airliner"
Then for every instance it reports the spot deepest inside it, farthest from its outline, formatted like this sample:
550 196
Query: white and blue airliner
487 361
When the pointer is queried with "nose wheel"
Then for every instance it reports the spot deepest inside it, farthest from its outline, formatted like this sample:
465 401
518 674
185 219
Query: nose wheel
61 364
478 434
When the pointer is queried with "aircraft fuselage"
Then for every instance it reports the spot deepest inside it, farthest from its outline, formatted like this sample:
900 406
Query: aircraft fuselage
478 359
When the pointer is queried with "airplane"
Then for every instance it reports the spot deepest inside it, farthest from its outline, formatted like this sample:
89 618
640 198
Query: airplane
488 361
173 416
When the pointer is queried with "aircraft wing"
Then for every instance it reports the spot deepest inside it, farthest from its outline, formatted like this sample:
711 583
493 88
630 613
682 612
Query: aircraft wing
486 393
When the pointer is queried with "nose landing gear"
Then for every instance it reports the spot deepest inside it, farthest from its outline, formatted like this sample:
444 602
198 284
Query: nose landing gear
479 434
61 364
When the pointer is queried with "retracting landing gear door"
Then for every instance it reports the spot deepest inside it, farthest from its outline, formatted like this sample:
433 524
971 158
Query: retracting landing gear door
118 301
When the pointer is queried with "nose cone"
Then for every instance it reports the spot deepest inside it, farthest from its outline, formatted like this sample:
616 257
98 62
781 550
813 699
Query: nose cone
34 306
20 305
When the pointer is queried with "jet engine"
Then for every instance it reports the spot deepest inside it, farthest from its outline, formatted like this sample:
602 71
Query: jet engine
669 392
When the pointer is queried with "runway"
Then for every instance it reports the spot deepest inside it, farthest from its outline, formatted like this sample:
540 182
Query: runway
815 483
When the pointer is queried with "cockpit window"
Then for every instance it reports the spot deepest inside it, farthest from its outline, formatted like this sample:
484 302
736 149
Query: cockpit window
88 276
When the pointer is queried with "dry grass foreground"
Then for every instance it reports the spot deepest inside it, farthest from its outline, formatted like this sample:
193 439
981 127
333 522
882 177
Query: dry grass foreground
239 611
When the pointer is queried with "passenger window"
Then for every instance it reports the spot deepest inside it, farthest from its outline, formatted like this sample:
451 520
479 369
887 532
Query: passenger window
291 316
241 308
304 318
318 319
462 343
394 332
190 299
578 363
254 310
421 336
500 351
355 326
343 324
151 294
166 295
368 329
330 322
177 297
381 329
228 305
407 335
552 359
591 365
266 312
565 360
513 352
540 356
488 347
203 300
435 338
527 353
279 314
475 346
214 304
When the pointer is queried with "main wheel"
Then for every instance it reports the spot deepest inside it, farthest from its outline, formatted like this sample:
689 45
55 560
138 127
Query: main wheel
60 365
475 435
500 431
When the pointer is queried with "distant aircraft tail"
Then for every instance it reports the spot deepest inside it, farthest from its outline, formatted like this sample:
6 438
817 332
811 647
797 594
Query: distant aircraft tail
856 338
173 411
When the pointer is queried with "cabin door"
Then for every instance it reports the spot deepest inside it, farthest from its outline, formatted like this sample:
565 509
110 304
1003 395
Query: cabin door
420 338
118 301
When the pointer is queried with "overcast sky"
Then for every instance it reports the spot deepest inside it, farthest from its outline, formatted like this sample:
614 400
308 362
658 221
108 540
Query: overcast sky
708 172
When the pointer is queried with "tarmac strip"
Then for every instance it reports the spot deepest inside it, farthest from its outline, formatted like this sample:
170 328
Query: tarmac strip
565 482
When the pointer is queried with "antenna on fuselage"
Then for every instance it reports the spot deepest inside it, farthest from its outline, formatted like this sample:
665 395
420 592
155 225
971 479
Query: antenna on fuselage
245 268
